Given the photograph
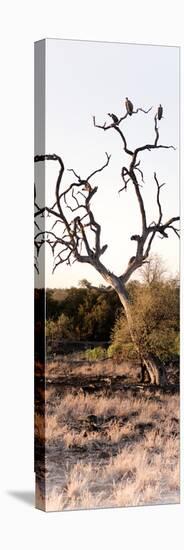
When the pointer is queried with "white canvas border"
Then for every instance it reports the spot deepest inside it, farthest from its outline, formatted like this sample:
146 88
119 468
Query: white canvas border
22 524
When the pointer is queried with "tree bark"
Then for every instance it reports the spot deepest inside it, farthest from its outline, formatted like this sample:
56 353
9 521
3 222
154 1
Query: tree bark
150 364
154 368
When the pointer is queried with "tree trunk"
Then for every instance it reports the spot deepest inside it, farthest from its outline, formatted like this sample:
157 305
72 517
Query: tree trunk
154 368
150 364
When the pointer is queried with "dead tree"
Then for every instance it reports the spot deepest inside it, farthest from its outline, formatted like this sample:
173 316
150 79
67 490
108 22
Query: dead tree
75 234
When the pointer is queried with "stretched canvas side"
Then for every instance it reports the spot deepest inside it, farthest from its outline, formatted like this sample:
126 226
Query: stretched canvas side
107 285
39 259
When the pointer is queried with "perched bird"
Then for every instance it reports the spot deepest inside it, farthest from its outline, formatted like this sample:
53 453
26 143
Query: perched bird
129 106
114 118
160 112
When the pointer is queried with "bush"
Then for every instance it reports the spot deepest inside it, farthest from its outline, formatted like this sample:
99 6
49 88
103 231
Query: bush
155 312
96 354
121 350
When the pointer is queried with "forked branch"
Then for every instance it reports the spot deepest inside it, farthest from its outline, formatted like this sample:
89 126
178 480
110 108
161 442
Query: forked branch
74 237
75 233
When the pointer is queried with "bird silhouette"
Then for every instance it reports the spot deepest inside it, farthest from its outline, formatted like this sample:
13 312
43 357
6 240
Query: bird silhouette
114 118
129 106
160 112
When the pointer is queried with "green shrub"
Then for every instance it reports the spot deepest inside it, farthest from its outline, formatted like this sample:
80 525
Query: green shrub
155 313
96 354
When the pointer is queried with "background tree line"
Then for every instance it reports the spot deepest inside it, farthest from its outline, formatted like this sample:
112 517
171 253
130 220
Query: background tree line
91 313
85 313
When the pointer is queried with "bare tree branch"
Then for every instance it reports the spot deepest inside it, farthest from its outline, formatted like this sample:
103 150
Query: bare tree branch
100 169
74 233
105 127
80 238
150 146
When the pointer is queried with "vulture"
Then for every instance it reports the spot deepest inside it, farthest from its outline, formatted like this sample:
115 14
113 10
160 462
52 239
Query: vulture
160 112
129 106
114 118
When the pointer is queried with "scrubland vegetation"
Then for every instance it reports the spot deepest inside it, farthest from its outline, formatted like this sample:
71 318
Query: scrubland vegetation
109 439
94 314
108 448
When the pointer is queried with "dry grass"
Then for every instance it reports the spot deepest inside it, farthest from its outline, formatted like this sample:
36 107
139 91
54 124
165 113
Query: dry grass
131 449
107 367
134 477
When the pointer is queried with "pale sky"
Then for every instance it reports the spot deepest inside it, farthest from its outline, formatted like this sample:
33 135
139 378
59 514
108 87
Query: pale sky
92 78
